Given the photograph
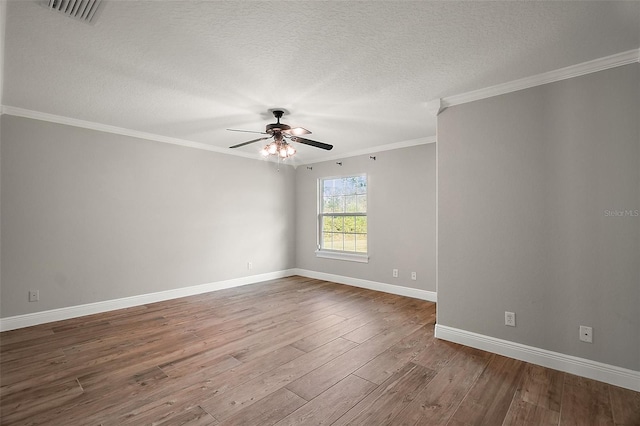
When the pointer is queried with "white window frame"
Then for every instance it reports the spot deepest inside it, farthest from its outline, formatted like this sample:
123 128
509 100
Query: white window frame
339 254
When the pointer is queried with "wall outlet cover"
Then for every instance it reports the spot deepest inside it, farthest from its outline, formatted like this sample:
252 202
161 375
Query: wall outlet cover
510 319
586 334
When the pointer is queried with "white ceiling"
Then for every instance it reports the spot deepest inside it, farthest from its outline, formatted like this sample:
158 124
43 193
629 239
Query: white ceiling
360 75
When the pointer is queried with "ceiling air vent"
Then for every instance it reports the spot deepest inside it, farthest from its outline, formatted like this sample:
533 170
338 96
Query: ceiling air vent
83 10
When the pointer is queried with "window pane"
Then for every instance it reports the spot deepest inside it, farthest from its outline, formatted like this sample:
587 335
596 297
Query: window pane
338 185
327 224
327 188
350 242
350 185
350 224
327 241
361 203
361 185
338 241
351 204
327 205
361 243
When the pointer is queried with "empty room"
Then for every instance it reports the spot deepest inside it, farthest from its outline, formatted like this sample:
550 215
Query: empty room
319 212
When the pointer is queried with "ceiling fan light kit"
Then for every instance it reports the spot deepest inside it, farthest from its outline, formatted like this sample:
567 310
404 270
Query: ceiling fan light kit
280 132
280 148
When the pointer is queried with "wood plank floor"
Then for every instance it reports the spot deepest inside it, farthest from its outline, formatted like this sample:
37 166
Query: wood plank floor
294 351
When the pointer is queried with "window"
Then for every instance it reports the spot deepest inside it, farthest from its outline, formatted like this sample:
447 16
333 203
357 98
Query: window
342 218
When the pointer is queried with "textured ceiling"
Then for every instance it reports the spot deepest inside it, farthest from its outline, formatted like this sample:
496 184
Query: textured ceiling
358 74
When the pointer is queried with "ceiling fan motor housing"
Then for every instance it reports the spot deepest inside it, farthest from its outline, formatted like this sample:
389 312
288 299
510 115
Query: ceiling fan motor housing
277 127
279 131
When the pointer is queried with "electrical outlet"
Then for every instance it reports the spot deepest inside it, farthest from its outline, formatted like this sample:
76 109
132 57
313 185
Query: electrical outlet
510 319
414 276
395 273
586 334
34 295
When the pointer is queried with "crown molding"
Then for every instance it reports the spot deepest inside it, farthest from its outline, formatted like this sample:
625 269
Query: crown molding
58 119
43 116
589 67
374 149
434 107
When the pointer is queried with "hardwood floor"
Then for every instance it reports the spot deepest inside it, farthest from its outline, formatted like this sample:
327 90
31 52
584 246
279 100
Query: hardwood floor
286 352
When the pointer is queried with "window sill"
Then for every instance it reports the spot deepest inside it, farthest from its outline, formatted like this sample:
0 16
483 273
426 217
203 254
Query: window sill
337 255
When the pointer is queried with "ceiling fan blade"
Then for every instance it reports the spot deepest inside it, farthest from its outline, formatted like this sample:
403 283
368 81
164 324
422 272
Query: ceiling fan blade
312 143
247 131
248 142
297 131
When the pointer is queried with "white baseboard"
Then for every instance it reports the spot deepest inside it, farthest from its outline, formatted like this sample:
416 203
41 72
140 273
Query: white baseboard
431 296
611 374
27 320
617 376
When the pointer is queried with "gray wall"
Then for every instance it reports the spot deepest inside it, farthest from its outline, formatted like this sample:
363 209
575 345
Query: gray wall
401 216
88 216
525 181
